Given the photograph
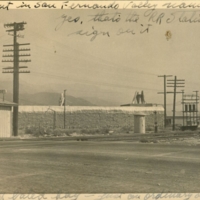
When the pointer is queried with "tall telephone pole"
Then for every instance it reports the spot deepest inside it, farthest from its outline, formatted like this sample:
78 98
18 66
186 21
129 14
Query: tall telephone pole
64 106
16 68
165 97
197 101
175 83
183 102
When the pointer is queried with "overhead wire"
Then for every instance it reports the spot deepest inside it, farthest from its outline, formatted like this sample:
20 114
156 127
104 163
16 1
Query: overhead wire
45 60
108 63
93 56
96 83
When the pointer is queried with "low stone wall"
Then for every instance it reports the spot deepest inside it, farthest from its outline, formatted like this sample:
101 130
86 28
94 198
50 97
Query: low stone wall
86 117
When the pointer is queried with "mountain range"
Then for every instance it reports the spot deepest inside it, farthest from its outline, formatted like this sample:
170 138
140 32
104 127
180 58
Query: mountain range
48 98
49 94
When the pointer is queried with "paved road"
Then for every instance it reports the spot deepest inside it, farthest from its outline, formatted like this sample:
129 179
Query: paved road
97 167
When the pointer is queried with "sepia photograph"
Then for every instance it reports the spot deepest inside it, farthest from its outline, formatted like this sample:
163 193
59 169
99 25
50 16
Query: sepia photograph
99 97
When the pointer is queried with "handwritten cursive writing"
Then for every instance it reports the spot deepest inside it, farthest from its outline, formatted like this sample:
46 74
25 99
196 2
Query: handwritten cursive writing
133 196
91 5
157 196
65 18
154 16
148 196
94 33
132 17
122 31
28 196
109 196
139 5
24 5
184 17
66 196
114 5
190 17
182 5
44 5
6 6
105 17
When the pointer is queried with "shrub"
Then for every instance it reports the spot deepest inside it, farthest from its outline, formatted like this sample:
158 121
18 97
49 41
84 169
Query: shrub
94 131
126 129
155 141
104 130
33 130
84 131
62 132
21 133
143 140
38 131
150 128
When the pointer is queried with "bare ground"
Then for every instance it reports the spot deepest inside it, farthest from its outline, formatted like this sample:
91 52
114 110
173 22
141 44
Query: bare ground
99 167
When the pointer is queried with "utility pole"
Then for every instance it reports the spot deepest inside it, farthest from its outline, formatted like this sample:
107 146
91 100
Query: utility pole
54 119
155 122
183 108
16 68
64 106
165 97
174 104
197 101
175 83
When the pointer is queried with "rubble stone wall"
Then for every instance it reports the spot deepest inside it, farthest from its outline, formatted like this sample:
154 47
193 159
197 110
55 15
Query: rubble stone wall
86 119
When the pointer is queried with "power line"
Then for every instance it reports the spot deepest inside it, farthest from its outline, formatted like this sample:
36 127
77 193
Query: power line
60 64
96 83
93 56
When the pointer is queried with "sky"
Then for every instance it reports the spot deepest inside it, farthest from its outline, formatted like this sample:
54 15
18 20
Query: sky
111 68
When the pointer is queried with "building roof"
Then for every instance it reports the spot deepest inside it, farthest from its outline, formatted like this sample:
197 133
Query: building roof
142 105
7 103
130 109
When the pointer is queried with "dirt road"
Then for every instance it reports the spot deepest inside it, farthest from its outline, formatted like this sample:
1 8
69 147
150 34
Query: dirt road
98 167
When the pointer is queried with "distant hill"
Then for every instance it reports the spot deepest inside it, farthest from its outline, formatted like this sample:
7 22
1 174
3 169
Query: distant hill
101 102
88 94
48 98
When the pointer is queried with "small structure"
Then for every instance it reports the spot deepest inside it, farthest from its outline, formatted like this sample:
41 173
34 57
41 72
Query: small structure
139 101
138 98
62 99
190 111
154 112
139 123
6 118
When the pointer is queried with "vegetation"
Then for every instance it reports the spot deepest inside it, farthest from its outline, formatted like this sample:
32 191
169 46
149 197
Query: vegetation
39 131
127 129
45 132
